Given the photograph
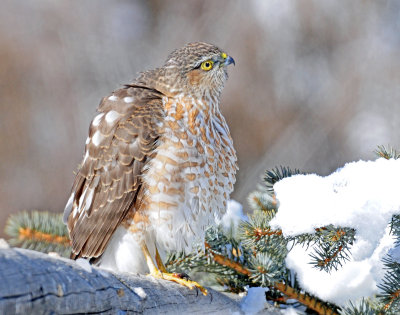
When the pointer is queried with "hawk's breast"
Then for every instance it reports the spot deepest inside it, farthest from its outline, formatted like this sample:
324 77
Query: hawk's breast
191 175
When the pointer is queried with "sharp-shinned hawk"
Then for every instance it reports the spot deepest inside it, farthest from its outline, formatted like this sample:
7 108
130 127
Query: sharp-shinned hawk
159 165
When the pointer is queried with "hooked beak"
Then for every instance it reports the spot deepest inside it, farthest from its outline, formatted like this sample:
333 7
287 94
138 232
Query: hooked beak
228 61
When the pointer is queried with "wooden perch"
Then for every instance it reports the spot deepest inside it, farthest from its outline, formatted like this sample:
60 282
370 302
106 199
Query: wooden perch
36 283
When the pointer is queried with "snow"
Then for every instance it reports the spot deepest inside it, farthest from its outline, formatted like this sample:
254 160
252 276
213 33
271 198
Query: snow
4 244
140 292
254 301
362 195
233 215
84 264
289 311
54 254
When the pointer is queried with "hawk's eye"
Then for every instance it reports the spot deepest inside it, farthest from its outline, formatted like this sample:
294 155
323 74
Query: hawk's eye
207 65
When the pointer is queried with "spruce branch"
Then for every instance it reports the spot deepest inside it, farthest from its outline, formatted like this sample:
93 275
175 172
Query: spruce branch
363 308
209 258
224 261
327 257
236 267
258 236
39 230
395 228
331 246
391 285
387 153
260 201
265 270
179 261
306 299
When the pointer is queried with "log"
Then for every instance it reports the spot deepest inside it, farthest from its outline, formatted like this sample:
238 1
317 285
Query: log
35 283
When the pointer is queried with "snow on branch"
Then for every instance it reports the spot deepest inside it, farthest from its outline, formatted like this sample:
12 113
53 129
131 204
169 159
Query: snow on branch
362 198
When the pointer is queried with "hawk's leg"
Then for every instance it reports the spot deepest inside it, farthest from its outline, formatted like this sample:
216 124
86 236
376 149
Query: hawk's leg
163 269
160 272
159 262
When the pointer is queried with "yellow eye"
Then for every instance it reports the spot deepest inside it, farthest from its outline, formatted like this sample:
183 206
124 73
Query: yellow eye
207 65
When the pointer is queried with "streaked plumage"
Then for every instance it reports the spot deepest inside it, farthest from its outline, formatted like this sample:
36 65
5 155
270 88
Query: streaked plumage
159 163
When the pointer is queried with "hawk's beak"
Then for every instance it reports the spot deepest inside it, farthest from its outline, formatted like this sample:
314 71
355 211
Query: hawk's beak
229 60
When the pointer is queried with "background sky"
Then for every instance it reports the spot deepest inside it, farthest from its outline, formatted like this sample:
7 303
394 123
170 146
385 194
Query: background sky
316 83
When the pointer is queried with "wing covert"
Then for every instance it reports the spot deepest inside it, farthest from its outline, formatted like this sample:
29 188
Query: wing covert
121 139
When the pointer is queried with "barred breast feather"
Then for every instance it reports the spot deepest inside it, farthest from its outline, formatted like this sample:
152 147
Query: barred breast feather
191 175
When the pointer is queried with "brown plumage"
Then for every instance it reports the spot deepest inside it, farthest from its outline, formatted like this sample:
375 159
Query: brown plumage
112 167
159 162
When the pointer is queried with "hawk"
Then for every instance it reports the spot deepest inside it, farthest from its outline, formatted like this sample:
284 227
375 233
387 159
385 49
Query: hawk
159 166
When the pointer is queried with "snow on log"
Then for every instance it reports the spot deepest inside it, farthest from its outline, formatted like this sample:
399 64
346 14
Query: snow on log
36 283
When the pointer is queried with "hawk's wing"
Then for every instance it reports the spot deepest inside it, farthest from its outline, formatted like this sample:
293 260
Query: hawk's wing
122 138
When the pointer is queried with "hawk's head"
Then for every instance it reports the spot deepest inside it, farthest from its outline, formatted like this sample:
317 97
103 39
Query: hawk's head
198 69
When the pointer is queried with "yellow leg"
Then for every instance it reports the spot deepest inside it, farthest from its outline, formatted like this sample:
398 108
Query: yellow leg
152 267
161 274
159 262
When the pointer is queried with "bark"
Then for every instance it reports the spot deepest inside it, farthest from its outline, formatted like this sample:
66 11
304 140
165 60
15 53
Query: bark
37 283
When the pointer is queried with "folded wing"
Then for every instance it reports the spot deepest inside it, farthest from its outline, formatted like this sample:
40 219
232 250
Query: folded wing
108 184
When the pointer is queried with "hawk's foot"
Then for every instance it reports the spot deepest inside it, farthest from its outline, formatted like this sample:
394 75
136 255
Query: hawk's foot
180 278
161 272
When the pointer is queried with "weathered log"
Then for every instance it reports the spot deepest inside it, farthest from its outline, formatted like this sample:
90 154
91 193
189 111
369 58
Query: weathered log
36 283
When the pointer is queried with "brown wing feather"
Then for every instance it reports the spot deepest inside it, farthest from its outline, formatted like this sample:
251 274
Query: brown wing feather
122 138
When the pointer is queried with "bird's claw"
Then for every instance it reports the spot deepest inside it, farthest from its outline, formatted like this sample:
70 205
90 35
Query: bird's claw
181 278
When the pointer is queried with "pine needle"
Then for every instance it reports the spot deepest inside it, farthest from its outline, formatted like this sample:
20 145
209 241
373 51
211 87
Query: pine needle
39 230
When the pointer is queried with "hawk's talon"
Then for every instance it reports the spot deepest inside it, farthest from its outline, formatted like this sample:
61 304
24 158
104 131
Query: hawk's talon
176 277
182 275
160 272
